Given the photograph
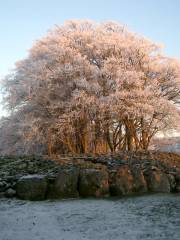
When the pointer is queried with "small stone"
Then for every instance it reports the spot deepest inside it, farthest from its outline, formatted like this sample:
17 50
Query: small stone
1 184
22 166
31 171
7 185
9 178
30 165
2 194
10 193
154 168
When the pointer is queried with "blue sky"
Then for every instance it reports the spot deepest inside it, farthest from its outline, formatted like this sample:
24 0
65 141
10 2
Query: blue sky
24 21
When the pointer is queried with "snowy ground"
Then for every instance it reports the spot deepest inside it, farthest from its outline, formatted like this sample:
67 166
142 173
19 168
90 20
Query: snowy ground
154 217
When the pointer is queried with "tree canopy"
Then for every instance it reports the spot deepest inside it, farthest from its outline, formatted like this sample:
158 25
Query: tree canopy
91 88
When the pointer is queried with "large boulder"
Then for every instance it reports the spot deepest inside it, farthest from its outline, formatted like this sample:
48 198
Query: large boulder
32 187
177 179
64 185
172 182
139 182
3 186
157 181
121 181
93 183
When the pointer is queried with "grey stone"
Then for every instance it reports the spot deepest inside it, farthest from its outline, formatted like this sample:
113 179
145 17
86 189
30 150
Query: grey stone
8 185
177 177
172 182
93 183
2 194
10 193
2 184
157 181
22 166
32 187
178 188
121 182
139 182
64 185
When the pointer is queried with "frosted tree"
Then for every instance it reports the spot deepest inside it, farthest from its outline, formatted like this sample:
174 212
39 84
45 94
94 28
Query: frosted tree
88 87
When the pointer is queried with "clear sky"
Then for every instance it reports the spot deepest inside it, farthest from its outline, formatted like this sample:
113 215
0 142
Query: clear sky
23 21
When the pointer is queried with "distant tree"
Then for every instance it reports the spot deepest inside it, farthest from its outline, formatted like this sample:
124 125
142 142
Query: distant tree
88 87
169 144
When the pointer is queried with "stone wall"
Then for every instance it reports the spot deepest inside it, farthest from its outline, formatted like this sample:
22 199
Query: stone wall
39 178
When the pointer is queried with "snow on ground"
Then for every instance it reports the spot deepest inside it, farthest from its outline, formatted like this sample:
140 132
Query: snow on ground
149 217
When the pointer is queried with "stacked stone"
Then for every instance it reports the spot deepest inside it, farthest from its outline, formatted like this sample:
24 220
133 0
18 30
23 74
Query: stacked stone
34 178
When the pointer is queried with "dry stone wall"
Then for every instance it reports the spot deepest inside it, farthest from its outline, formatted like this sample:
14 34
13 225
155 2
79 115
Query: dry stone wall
39 178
